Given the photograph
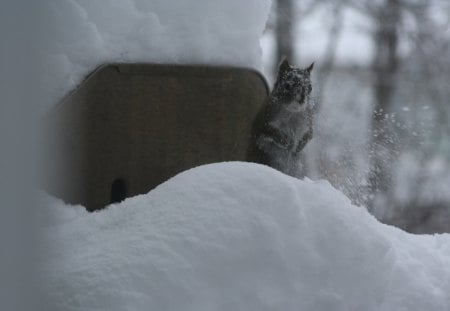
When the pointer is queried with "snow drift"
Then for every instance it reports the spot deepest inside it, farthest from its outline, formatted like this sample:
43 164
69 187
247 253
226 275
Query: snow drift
82 34
239 236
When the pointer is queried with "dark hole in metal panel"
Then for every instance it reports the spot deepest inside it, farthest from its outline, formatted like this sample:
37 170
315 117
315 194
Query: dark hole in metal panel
118 190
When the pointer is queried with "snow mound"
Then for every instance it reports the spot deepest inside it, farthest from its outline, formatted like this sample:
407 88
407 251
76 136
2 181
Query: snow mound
82 34
240 236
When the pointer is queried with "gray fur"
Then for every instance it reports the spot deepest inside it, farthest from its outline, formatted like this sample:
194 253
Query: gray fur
285 124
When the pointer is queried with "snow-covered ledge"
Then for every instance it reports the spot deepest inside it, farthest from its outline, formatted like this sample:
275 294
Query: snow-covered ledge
239 236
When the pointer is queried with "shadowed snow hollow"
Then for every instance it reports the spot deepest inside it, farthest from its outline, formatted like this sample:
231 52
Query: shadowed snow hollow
239 236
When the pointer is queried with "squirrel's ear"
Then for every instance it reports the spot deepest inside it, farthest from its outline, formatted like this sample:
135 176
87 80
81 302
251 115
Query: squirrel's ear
310 67
284 65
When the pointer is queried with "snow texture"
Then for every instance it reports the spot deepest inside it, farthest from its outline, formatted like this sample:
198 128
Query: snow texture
82 34
239 236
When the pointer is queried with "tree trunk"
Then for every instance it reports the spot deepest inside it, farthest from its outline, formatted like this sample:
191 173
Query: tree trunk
385 66
284 29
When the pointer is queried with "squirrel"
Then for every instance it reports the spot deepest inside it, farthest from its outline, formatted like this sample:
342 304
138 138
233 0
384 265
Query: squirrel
284 125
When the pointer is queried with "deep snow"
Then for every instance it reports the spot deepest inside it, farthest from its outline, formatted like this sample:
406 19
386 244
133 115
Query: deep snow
82 34
239 236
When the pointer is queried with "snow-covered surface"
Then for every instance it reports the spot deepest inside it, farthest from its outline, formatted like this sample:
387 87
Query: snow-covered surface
239 236
82 34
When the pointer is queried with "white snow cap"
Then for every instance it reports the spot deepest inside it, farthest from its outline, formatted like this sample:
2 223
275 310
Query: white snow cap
240 236
82 34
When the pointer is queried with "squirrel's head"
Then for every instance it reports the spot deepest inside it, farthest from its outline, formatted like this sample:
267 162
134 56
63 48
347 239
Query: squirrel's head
293 84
